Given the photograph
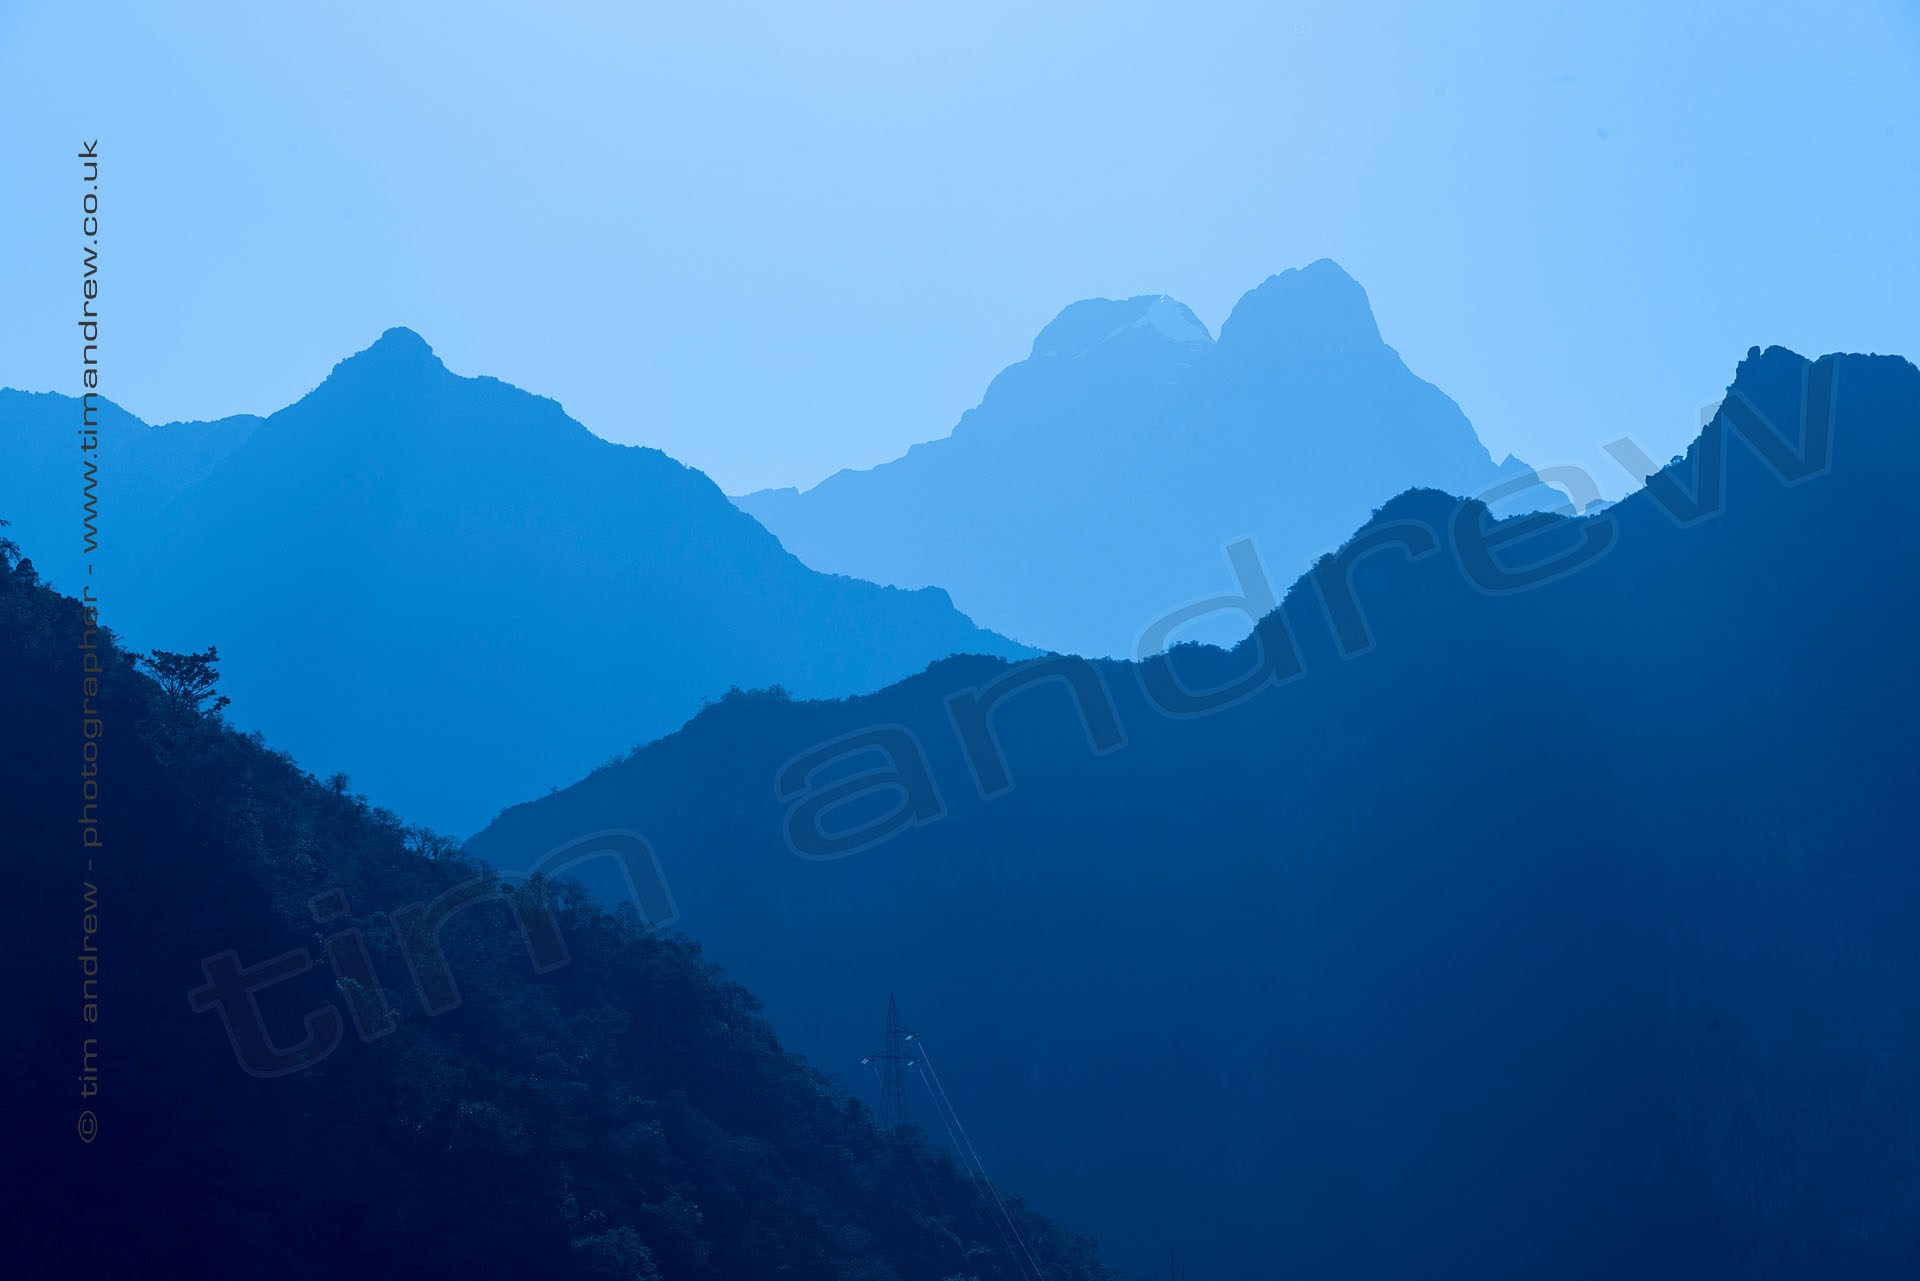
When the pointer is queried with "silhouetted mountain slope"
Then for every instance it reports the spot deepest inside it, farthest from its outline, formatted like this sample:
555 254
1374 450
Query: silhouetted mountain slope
444 584
1552 917
626 1115
1093 489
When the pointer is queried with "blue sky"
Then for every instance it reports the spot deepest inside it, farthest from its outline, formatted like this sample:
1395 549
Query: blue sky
775 241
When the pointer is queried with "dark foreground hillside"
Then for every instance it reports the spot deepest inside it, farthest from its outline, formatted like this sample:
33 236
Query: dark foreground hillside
1525 900
626 1114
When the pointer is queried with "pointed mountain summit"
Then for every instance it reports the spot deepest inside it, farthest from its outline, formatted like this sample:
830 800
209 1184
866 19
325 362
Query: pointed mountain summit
398 358
1304 312
1096 488
397 346
446 587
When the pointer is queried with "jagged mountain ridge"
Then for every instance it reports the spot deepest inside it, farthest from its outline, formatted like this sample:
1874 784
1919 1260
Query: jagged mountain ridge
1552 918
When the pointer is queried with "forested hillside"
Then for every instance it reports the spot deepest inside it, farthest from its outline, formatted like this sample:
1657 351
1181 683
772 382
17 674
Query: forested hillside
626 1114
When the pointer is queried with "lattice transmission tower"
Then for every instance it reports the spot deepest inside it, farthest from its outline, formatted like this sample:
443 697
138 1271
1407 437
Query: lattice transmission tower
891 1064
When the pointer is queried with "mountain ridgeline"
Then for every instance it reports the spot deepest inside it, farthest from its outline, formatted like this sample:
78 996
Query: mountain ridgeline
624 1114
1095 488
1523 898
445 586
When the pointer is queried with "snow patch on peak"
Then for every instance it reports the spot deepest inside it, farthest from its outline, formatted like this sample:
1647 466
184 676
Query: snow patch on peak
1091 322
1173 321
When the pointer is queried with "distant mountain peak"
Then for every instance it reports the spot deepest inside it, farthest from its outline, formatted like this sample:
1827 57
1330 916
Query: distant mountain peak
1084 325
1098 481
1314 308
397 351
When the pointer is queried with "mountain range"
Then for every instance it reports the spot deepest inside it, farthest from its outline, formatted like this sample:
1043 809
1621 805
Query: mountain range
1528 893
444 585
1523 897
1097 487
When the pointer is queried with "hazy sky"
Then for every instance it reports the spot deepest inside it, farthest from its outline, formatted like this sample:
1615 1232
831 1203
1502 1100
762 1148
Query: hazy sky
775 241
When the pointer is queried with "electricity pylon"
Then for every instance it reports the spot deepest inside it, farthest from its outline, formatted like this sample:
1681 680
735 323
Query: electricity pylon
892 1063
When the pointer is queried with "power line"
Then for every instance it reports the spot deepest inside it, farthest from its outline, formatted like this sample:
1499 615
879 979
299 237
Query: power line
934 1084
889 1067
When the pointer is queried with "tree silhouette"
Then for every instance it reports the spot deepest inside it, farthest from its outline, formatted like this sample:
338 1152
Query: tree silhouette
187 680
13 562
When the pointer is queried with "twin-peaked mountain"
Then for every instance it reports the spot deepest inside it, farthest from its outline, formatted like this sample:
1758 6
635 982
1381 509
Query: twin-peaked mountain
1523 899
444 586
1095 488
